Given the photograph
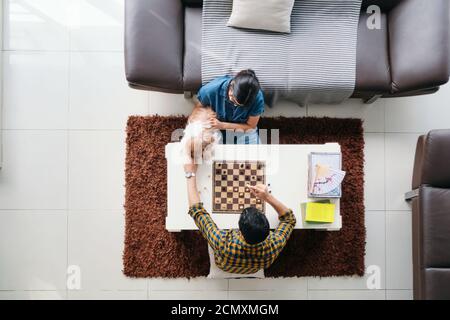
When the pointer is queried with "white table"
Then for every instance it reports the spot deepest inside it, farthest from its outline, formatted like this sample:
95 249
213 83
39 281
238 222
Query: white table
286 172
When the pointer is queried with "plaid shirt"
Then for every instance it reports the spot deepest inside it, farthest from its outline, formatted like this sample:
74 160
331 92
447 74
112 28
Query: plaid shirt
232 253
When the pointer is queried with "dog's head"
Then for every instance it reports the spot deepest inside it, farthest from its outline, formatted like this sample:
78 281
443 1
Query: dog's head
201 115
199 137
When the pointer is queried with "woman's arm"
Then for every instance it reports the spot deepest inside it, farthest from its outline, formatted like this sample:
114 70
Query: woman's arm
252 122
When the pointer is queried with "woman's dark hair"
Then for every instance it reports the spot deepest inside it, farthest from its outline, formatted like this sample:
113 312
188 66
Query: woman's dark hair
253 225
245 87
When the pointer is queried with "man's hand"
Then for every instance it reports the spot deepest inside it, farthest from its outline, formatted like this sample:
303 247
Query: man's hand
260 191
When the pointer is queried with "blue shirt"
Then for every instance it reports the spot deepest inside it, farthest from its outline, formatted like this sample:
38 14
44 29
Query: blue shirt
215 95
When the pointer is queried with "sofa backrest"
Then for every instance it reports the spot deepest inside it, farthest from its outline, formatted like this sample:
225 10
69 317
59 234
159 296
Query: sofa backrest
192 3
385 5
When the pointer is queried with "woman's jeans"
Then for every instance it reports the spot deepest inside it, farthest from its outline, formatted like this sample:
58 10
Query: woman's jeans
248 137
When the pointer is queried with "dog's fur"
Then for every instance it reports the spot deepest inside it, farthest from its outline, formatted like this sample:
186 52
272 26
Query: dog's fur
198 134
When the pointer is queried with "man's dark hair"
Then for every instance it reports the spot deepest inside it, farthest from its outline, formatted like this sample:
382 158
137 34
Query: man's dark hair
253 225
245 87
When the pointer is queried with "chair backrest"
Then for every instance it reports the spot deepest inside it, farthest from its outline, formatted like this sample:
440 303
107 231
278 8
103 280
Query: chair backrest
431 165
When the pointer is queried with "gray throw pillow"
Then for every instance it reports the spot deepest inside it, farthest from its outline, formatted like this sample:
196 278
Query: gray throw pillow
271 15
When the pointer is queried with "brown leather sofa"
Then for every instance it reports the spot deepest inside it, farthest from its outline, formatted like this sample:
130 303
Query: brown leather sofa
408 56
431 216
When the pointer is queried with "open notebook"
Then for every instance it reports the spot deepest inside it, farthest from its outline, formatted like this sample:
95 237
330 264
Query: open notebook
325 175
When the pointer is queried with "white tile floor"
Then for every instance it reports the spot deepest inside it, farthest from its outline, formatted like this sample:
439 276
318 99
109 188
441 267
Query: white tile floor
65 107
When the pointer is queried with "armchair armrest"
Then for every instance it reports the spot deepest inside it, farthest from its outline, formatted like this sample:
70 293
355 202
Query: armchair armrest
154 37
419 44
418 162
431 161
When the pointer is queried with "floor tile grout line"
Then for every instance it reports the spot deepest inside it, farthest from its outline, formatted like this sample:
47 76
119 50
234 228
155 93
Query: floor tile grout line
121 129
385 212
394 211
44 210
307 288
120 211
347 290
63 130
69 61
60 51
61 211
69 25
149 109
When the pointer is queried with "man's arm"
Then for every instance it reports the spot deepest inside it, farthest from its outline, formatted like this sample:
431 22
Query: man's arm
286 218
193 196
201 217
279 207
262 192
285 215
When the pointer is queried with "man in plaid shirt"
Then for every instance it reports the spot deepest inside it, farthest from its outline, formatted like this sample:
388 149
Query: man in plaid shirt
253 246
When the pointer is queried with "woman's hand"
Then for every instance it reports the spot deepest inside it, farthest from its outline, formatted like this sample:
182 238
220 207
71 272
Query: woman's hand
216 124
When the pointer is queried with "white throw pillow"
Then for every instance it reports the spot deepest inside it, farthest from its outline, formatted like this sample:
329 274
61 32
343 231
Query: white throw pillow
216 273
271 15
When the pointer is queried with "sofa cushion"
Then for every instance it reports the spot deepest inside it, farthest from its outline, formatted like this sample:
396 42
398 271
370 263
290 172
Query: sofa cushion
372 61
192 62
434 208
154 44
436 284
385 5
418 44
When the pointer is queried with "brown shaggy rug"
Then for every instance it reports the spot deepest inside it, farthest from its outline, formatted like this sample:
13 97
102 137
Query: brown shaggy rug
151 251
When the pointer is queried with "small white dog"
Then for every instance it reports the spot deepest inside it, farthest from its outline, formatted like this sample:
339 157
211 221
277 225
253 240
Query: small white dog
199 137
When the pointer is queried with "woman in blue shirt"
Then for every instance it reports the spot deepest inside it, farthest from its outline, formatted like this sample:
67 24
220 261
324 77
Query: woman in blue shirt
238 103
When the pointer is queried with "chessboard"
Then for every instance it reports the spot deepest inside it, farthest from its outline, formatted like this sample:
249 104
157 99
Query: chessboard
230 184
